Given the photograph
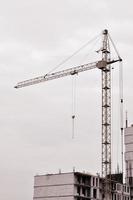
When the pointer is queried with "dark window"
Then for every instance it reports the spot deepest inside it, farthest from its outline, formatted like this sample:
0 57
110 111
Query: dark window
83 191
78 179
112 197
83 180
78 190
96 182
93 181
88 181
95 193
115 196
130 180
88 192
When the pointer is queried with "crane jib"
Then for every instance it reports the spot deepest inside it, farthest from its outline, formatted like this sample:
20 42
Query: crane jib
71 71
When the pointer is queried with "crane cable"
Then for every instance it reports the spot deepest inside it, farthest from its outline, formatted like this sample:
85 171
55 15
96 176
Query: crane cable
74 91
121 108
73 105
120 99
114 47
90 50
68 58
112 122
112 106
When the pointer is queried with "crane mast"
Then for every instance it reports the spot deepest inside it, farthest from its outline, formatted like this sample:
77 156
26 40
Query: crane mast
105 66
106 108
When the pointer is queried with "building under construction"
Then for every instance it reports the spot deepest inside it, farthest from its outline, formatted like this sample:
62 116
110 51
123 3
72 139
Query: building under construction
76 186
84 186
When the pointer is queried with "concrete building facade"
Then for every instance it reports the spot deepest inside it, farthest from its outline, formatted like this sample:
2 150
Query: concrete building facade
129 157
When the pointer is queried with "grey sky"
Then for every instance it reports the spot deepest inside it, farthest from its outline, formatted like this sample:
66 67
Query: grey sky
35 122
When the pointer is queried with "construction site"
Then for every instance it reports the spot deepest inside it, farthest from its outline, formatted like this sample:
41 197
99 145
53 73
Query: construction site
77 185
106 185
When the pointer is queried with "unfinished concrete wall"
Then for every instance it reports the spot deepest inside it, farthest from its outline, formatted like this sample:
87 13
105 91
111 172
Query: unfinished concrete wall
54 186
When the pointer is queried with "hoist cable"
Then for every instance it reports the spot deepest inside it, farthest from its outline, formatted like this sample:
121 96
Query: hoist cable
121 108
120 98
112 106
73 104
74 91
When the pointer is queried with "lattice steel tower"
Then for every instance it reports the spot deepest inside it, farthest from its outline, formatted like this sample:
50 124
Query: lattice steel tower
106 108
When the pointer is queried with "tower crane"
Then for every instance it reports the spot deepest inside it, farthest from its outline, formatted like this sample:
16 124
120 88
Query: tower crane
105 66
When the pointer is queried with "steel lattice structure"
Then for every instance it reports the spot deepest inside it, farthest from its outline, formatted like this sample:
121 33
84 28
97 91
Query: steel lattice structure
106 108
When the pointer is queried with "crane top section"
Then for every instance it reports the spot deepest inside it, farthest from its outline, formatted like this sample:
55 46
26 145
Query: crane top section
105 31
102 64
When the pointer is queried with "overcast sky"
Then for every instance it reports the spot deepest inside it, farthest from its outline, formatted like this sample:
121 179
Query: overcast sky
35 122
